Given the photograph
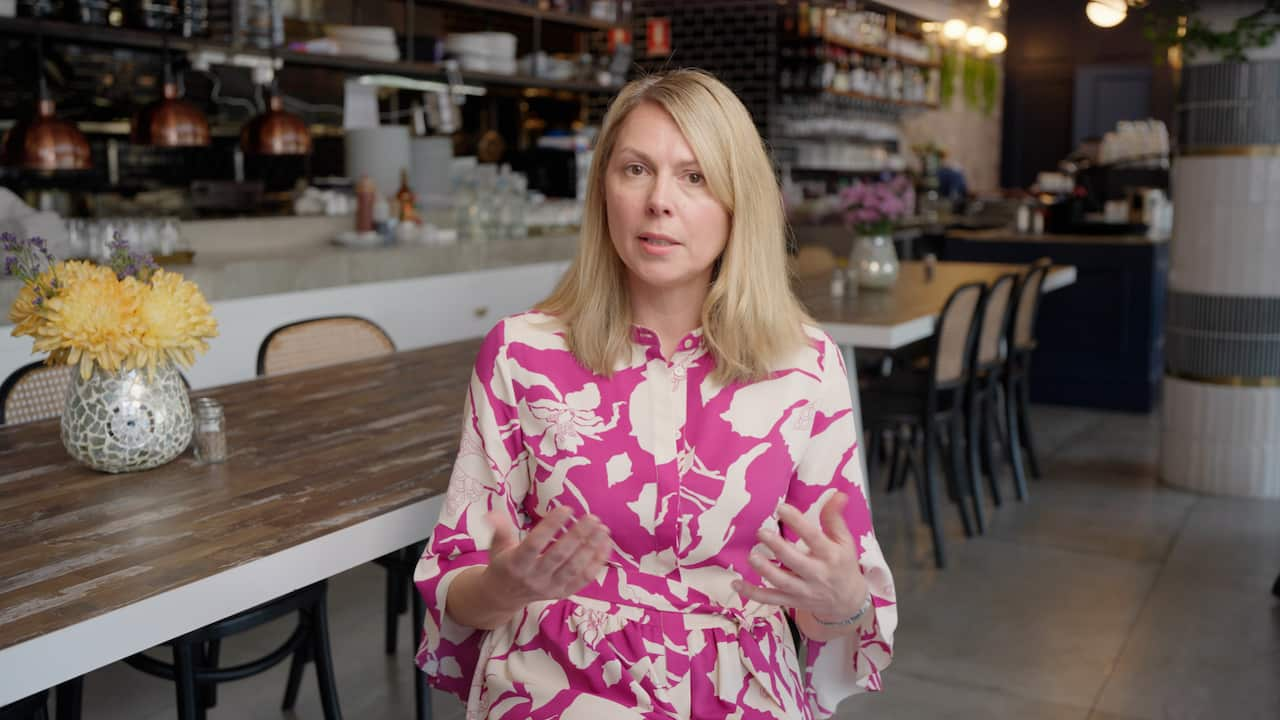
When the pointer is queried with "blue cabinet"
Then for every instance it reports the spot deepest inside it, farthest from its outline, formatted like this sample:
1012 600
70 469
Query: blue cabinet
1101 340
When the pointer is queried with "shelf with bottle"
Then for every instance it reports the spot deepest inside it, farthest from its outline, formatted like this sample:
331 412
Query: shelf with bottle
599 15
142 40
877 98
885 52
865 31
840 71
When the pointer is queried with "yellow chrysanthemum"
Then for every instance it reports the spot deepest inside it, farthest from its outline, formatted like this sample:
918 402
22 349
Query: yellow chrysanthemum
25 314
174 322
92 320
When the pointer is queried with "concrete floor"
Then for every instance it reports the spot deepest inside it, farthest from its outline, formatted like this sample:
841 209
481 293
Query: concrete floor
1106 597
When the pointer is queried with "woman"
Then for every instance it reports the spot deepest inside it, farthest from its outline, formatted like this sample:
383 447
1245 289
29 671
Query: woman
658 464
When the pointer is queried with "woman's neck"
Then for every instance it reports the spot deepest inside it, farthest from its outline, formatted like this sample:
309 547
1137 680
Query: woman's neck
672 313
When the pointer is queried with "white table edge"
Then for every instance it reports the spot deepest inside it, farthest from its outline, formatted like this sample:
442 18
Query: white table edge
51 658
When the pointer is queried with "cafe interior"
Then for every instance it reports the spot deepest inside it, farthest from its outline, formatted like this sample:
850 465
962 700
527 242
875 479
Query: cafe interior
1055 223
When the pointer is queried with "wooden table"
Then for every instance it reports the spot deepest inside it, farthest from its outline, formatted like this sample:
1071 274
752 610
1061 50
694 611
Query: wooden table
327 469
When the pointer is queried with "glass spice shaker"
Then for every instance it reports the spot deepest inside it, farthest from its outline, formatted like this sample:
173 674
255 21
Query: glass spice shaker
210 431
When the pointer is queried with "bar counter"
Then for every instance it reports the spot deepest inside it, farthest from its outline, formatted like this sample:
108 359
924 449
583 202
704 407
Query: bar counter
1100 341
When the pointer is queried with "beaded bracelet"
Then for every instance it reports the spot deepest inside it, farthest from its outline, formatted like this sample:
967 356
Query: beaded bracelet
866 605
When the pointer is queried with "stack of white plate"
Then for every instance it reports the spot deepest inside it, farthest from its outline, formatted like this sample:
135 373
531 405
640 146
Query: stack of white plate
373 42
492 52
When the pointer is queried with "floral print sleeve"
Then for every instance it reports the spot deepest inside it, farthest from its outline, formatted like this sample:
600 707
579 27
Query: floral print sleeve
684 471
830 464
489 474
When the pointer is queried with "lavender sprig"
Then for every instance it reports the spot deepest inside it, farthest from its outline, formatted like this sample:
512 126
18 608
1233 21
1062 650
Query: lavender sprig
126 263
26 260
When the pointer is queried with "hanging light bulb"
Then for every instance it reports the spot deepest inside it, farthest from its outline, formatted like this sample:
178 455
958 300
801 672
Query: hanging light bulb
44 142
995 4
996 43
975 36
954 28
1106 13
276 131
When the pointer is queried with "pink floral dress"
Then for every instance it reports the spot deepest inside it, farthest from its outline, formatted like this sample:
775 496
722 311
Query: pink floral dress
684 471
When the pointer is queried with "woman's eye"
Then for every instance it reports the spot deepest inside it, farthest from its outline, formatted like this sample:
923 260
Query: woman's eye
634 169
695 178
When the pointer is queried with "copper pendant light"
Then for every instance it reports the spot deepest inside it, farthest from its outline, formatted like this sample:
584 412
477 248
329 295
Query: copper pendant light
45 142
276 131
171 122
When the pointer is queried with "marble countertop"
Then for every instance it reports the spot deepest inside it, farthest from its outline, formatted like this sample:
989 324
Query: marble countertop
265 256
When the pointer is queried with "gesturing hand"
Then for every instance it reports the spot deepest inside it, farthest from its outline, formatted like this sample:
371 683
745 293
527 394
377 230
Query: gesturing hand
826 580
542 567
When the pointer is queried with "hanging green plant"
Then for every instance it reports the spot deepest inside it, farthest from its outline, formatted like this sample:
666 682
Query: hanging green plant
971 81
990 85
947 77
1174 23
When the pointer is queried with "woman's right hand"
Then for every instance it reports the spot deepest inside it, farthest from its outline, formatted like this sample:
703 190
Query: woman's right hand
542 566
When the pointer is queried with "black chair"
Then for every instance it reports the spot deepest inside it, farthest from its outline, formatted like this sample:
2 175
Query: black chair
32 707
401 595
195 654
36 707
929 403
329 340
1017 374
985 428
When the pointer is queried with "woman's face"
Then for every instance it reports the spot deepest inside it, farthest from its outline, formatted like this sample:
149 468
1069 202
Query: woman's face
665 223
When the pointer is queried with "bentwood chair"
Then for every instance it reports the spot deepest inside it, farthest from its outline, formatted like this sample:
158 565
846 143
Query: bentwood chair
929 402
196 668
34 392
1017 372
321 341
37 392
983 398
814 260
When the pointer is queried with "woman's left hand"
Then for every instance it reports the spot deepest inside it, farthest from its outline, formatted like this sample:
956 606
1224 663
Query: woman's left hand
825 580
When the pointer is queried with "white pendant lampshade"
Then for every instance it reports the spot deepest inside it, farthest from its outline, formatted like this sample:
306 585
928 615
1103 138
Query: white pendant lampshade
1106 13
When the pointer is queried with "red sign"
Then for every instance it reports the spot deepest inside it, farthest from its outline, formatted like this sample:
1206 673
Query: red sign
657 36
619 36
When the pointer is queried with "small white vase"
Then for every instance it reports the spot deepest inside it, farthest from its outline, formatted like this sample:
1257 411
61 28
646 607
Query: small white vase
874 261
129 420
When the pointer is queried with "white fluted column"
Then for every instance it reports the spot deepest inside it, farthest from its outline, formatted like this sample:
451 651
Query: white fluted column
1221 415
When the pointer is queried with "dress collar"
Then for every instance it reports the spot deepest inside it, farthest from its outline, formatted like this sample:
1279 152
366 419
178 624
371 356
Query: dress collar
649 338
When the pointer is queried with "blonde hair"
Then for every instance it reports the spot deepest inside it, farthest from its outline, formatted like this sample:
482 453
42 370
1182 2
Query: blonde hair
751 319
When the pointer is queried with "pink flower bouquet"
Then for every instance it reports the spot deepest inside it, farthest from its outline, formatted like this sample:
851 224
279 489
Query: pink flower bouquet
872 208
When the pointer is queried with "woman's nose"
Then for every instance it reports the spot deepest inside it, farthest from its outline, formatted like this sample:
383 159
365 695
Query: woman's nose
659 200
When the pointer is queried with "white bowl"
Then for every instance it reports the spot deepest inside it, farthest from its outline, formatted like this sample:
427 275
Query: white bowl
371 34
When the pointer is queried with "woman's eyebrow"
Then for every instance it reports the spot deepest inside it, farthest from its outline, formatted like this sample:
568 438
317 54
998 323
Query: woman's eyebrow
643 156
